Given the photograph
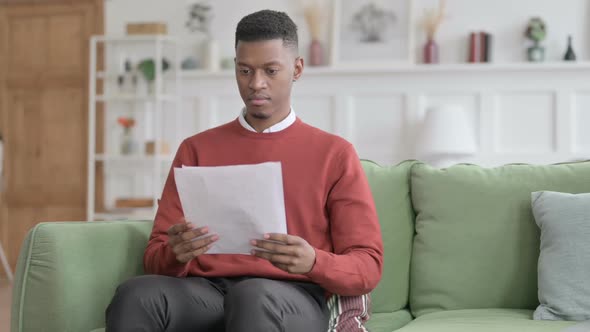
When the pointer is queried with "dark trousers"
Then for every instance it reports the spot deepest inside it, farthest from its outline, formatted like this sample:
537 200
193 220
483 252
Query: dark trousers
160 303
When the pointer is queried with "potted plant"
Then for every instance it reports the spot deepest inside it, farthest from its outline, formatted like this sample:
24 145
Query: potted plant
148 68
536 31
200 17
431 22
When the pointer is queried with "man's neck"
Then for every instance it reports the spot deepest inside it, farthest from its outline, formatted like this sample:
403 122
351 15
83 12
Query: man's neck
261 125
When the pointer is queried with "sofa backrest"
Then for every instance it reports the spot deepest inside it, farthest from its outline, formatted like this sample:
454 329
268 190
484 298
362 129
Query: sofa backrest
390 187
476 243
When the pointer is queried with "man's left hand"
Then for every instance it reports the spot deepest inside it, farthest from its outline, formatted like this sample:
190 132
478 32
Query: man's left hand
287 252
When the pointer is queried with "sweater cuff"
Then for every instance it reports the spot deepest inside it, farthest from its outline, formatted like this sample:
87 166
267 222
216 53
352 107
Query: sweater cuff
318 271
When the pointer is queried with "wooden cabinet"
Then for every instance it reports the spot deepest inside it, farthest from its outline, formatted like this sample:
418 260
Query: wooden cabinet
44 49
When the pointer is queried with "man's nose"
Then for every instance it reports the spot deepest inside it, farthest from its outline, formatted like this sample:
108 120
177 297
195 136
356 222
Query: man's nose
258 81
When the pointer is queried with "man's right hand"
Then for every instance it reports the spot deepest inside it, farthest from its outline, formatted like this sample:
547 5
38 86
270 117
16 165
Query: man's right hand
181 238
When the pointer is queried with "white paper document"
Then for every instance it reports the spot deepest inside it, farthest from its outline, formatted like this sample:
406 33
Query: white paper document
238 203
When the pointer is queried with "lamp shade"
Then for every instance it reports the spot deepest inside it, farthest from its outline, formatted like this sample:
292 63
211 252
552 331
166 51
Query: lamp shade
446 131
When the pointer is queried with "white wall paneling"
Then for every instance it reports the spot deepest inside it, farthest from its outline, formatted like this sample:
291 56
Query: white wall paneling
317 110
380 117
532 113
525 122
580 122
520 113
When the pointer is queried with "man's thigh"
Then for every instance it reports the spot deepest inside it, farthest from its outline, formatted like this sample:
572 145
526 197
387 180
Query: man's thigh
264 304
161 303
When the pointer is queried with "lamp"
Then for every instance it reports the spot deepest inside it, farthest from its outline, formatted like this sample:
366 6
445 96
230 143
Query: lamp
446 136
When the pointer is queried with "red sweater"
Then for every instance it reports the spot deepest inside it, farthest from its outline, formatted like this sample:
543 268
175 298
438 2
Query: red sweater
327 200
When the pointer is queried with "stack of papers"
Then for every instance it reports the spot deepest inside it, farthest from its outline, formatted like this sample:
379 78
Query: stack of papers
239 203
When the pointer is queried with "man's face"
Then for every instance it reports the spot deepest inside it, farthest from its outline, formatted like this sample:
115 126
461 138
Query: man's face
265 71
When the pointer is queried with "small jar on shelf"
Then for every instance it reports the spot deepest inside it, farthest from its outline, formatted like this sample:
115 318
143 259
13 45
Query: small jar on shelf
128 143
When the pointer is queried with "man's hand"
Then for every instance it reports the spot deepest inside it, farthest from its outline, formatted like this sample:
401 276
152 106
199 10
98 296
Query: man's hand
287 252
181 238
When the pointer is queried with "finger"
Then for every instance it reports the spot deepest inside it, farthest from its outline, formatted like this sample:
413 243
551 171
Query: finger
194 233
274 258
275 247
283 267
188 246
183 258
285 238
197 244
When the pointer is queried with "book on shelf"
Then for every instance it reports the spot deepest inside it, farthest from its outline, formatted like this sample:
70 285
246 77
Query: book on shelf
480 47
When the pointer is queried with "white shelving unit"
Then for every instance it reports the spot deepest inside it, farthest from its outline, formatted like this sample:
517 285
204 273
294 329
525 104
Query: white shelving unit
149 108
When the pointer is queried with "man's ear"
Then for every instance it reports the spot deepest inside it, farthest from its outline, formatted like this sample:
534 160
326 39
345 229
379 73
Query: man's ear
299 64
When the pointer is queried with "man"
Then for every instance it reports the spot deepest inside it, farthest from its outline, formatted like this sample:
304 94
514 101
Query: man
334 243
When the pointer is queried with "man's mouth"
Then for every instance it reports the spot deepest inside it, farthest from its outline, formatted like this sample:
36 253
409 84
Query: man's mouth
258 100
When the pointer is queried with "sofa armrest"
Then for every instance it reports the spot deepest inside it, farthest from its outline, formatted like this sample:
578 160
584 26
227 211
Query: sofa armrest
390 321
67 273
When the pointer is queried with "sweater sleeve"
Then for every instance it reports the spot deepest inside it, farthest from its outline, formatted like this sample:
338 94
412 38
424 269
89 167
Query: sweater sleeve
158 257
355 266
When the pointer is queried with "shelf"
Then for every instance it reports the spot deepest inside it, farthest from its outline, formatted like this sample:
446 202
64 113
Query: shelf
142 173
135 39
135 98
413 68
132 158
138 214
168 75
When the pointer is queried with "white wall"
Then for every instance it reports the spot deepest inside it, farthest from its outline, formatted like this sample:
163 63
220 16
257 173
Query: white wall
520 113
505 19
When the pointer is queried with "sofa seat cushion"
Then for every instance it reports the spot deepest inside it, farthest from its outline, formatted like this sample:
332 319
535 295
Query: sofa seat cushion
483 320
387 322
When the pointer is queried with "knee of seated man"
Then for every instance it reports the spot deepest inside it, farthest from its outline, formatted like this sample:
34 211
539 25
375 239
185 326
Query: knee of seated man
142 287
251 292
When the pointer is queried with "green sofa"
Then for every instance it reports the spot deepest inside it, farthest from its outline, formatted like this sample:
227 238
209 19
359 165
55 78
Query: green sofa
461 251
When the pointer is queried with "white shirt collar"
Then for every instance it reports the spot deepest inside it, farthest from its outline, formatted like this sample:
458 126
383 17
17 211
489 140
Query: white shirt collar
289 120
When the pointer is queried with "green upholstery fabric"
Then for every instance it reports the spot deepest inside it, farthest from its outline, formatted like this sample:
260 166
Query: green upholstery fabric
387 322
475 246
67 273
391 191
483 320
476 243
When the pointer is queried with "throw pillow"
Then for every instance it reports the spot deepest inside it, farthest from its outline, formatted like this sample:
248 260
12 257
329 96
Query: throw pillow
348 313
564 260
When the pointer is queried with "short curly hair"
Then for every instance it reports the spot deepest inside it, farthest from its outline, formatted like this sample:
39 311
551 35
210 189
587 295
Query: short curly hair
267 25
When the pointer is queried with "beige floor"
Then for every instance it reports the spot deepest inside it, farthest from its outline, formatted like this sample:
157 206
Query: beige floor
5 291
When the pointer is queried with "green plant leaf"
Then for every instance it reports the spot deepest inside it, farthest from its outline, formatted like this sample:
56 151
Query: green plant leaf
148 68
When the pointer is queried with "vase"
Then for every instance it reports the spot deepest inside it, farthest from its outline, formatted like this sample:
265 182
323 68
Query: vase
316 53
127 142
570 55
536 53
431 52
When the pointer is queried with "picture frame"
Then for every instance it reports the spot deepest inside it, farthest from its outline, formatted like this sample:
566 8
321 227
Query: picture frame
372 33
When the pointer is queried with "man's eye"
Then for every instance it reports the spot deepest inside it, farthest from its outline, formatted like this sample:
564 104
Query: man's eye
245 71
271 71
